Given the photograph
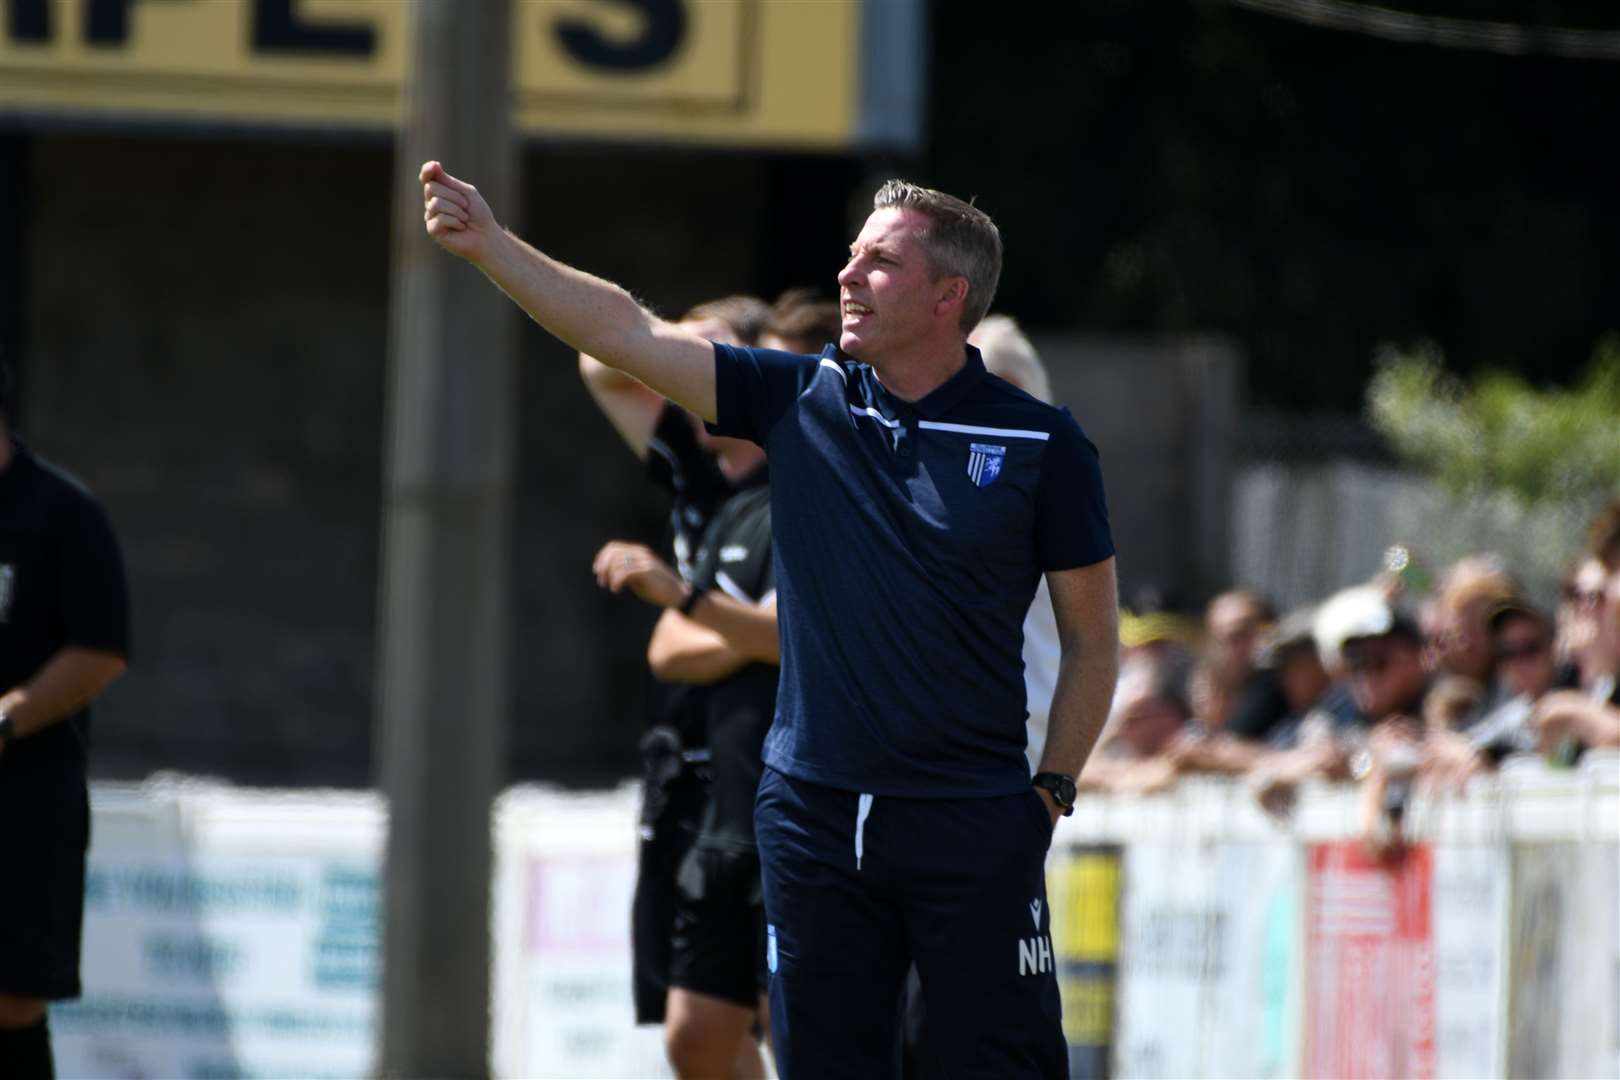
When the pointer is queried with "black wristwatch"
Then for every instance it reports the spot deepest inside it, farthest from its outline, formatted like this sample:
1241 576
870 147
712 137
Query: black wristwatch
1061 787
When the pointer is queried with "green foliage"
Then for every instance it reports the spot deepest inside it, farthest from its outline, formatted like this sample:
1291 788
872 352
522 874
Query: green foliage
1497 433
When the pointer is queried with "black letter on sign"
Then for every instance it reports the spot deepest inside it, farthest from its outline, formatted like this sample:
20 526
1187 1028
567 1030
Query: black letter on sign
106 22
664 25
277 29
30 20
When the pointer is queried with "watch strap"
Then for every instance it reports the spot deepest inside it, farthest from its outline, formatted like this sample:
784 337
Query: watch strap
1061 786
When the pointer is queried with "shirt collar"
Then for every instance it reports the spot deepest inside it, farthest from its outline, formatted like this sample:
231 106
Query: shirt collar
936 402
944 397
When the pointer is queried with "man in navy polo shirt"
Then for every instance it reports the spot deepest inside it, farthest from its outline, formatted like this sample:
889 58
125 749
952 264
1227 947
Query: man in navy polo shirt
916 502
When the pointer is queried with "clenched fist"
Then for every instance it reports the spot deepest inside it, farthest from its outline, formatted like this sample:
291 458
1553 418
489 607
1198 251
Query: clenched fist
457 217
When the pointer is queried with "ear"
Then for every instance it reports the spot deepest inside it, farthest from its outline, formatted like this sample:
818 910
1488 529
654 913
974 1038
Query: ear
953 293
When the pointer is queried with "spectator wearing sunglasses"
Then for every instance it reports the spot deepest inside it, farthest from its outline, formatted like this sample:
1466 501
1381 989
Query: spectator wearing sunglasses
1566 722
1525 669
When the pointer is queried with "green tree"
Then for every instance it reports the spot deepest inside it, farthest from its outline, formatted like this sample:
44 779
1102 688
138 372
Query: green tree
1496 434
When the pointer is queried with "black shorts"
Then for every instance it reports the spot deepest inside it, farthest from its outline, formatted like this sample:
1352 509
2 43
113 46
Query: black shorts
42 860
720 927
652 911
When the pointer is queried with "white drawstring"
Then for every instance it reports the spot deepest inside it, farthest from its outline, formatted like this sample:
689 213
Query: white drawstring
862 809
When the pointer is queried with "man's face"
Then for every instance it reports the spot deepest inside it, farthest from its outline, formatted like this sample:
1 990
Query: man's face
1386 674
1148 723
1234 624
885 293
1303 680
1524 655
1464 643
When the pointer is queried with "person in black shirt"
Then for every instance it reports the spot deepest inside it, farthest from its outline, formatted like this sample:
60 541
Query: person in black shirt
717 633
64 636
675 751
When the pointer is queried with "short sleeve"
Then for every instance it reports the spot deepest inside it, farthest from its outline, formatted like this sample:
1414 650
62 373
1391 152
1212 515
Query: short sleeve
754 388
95 597
1071 512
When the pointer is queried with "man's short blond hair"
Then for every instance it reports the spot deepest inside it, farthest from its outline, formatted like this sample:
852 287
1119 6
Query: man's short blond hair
1009 354
960 241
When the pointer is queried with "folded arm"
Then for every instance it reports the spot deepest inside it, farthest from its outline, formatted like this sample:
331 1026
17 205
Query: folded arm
67 681
719 638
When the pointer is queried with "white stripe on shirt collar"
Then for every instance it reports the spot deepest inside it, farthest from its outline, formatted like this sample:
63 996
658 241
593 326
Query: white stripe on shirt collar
874 414
836 366
970 429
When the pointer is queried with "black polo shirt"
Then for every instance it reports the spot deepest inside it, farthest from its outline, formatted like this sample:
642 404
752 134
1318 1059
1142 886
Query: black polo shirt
677 462
61 585
734 558
909 542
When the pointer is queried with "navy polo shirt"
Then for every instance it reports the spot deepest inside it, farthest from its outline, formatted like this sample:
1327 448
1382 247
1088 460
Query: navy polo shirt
908 542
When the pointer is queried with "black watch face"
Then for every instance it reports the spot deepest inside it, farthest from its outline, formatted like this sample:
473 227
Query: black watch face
1061 787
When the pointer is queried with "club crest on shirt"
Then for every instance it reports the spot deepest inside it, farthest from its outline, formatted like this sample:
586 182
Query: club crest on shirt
984 463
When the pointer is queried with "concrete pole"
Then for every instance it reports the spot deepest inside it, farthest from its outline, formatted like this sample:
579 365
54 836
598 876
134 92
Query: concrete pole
443 618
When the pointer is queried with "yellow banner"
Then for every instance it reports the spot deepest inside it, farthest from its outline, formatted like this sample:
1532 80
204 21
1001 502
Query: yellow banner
1085 908
733 72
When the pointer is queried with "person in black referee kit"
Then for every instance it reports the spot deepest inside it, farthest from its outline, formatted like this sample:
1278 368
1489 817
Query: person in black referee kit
64 635
674 748
718 634
916 500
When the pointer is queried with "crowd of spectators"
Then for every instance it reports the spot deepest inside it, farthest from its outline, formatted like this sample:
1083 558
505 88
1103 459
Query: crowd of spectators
1382 684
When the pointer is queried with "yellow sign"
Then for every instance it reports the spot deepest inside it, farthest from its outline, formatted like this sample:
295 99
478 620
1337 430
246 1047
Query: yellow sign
734 72
1085 908
1084 893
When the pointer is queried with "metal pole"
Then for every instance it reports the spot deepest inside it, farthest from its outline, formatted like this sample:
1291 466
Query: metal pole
442 628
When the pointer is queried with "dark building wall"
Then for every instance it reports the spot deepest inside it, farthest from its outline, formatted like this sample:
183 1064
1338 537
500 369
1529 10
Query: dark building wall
203 340
204 343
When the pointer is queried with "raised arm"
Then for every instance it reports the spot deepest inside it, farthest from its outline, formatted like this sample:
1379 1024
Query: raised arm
593 316
1086 603
631 408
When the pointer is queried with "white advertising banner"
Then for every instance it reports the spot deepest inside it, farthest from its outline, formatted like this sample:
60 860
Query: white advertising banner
221 965
563 1004
1564 999
1208 964
1470 897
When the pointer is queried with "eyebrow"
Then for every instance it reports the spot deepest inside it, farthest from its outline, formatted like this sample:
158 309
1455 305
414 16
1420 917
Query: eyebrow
877 247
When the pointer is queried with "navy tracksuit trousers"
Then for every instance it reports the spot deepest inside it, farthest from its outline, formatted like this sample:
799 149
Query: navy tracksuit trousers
858 888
